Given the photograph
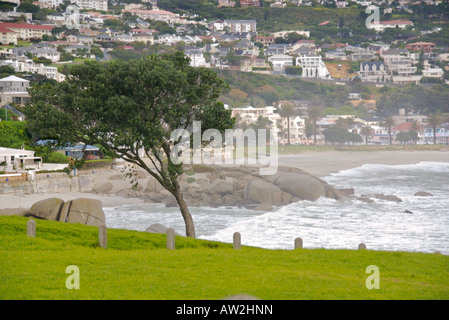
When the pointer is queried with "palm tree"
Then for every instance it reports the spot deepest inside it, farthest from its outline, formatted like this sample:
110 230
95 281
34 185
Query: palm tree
286 112
367 132
435 120
314 114
414 129
389 124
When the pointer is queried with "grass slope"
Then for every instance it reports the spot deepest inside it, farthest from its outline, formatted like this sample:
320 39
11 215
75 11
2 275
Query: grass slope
136 265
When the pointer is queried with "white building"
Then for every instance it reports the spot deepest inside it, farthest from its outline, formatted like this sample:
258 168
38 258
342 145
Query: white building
29 66
160 15
14 90
100 5
240 26
432 72
382 25
373 71
19 159
196 58
280 61
312 66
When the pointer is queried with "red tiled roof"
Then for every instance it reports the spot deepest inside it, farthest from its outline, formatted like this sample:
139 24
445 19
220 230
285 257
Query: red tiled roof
25 26
5 29
405 126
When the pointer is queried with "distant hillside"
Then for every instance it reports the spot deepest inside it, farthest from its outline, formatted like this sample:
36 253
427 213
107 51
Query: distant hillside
254 89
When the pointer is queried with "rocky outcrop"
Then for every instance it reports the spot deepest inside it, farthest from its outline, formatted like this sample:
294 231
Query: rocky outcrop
81 210
423 194
157 228
84 211
258 191
382 196
48 209
243 186
215 186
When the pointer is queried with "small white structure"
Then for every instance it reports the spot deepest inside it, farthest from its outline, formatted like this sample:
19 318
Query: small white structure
13 159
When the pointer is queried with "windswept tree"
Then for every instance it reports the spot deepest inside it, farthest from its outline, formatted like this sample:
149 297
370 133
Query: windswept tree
130 106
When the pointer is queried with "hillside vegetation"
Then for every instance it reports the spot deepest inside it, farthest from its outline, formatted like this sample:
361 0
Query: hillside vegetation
136 265
260 90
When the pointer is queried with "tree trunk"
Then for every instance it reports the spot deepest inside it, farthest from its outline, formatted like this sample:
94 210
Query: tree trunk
188 220
190 227
288 131
435 135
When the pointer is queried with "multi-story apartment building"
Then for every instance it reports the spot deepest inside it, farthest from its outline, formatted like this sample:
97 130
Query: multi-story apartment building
14 90
7 36
249 3
312 66
160 15
101 5
28 66
373 71
240 26
426 46
26 31
226 3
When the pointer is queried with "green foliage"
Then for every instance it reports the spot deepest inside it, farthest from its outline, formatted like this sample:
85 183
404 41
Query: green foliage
407 136
14 134
126 106
48 155
341 135
297 71
136 265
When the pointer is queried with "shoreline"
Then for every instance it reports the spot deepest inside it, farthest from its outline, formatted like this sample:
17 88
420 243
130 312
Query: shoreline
320 164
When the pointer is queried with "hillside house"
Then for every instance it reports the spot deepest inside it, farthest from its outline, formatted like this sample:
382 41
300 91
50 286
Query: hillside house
373 71
14 90
13 159
280 61
312 66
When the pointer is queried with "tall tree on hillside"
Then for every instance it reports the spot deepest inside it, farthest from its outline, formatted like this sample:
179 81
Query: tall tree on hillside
388 124
133 107
287 111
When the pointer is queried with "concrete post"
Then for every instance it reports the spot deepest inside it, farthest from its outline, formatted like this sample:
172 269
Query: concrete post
170 238
237 240
103 236
31 228
298 243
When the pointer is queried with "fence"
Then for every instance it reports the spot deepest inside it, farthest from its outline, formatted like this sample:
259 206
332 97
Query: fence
170 237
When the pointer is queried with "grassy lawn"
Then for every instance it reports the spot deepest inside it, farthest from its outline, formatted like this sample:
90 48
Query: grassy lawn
136 265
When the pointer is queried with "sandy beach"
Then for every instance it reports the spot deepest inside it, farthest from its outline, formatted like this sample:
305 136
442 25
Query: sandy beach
322 164
317 163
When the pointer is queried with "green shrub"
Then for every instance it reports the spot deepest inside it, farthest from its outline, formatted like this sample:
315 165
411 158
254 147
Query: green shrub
191 180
